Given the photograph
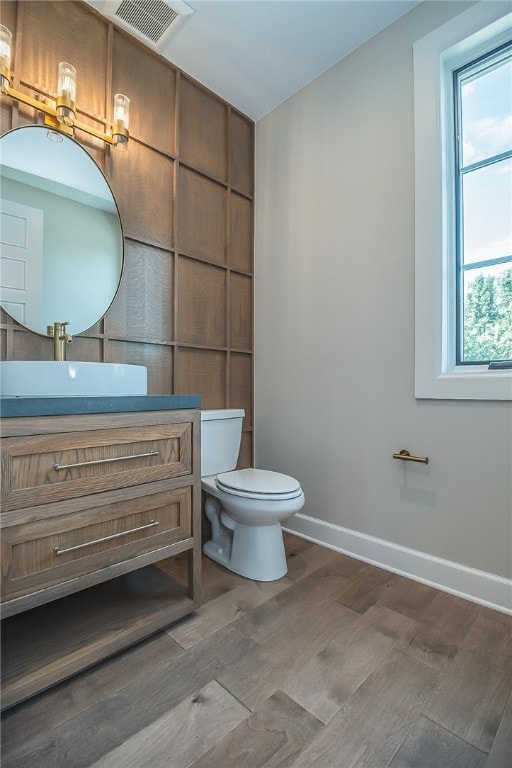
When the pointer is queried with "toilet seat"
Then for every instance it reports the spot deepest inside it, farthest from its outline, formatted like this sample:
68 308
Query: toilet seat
258 484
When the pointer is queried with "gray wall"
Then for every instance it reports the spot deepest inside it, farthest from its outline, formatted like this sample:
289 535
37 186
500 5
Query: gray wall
334 328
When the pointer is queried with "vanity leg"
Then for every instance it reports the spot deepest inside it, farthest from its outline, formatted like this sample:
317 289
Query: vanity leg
194 575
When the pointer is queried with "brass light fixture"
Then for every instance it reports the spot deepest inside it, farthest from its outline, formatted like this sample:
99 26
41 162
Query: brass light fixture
60 114
66 90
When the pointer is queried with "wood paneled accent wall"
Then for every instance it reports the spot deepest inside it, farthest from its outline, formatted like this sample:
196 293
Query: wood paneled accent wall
185 193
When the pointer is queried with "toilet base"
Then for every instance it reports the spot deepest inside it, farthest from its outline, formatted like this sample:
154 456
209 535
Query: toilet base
255 552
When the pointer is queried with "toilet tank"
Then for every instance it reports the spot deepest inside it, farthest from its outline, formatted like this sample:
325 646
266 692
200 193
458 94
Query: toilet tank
221 432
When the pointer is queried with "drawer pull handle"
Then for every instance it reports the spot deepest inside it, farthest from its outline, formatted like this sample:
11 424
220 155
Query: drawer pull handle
151 524
105 461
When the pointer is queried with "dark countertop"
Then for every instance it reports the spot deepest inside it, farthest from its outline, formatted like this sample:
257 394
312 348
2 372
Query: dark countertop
63 406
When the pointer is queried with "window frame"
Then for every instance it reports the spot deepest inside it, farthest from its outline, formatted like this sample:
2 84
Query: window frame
482 63
469 35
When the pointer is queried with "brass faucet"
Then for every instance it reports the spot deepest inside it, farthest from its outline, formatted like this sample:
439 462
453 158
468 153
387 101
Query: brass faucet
57 332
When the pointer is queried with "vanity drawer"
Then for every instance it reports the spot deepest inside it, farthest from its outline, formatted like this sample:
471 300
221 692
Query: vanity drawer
39 469
38 554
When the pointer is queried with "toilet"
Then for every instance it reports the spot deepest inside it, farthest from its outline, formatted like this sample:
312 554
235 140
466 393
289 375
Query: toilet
246 506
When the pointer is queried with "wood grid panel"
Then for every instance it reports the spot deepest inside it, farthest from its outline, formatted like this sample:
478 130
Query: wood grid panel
14 115
142 308
202 130
3 343
201 291
241 233
149 83
6 319
57 32
202 371
245 453
158 359
184 190
82 348
6 119
33 346
30 346
143 184
240 385
96 329
242 150
241 311
201 217
9 14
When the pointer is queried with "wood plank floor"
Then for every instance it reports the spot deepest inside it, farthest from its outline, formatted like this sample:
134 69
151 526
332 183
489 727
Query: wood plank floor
338 664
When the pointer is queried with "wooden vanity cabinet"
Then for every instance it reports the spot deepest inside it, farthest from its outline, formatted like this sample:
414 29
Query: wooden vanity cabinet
90 504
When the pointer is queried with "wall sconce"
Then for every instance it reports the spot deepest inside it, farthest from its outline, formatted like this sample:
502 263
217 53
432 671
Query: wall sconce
61 113
66 90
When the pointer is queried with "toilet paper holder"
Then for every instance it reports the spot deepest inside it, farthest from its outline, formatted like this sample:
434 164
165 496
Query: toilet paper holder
406 456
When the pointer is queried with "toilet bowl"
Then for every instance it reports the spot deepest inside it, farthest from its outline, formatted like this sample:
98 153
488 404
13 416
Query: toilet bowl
245 507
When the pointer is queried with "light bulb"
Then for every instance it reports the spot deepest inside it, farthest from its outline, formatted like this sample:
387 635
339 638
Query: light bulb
121 121
66 90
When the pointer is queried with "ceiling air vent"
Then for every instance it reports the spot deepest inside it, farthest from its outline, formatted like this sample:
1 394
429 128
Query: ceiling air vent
152 21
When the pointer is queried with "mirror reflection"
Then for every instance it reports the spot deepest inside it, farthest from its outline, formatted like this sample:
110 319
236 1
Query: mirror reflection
61 236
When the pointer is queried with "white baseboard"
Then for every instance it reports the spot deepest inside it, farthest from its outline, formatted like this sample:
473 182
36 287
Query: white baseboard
469 583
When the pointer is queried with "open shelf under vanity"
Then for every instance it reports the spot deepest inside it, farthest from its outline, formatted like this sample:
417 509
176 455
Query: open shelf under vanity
81 547
47 644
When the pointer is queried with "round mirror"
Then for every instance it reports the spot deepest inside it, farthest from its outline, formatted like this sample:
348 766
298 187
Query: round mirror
61 235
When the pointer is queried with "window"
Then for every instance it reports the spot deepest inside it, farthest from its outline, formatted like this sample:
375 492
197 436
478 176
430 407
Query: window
483 178
463 147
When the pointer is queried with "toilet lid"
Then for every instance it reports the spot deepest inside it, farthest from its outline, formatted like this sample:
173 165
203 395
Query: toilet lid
259 484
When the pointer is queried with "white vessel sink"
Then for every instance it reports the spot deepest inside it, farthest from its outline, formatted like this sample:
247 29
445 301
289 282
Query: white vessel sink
49 378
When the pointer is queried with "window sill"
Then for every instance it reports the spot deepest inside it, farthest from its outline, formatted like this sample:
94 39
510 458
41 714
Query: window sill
472 383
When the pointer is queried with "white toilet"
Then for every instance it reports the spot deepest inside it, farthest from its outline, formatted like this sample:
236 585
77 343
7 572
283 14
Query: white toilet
245 507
